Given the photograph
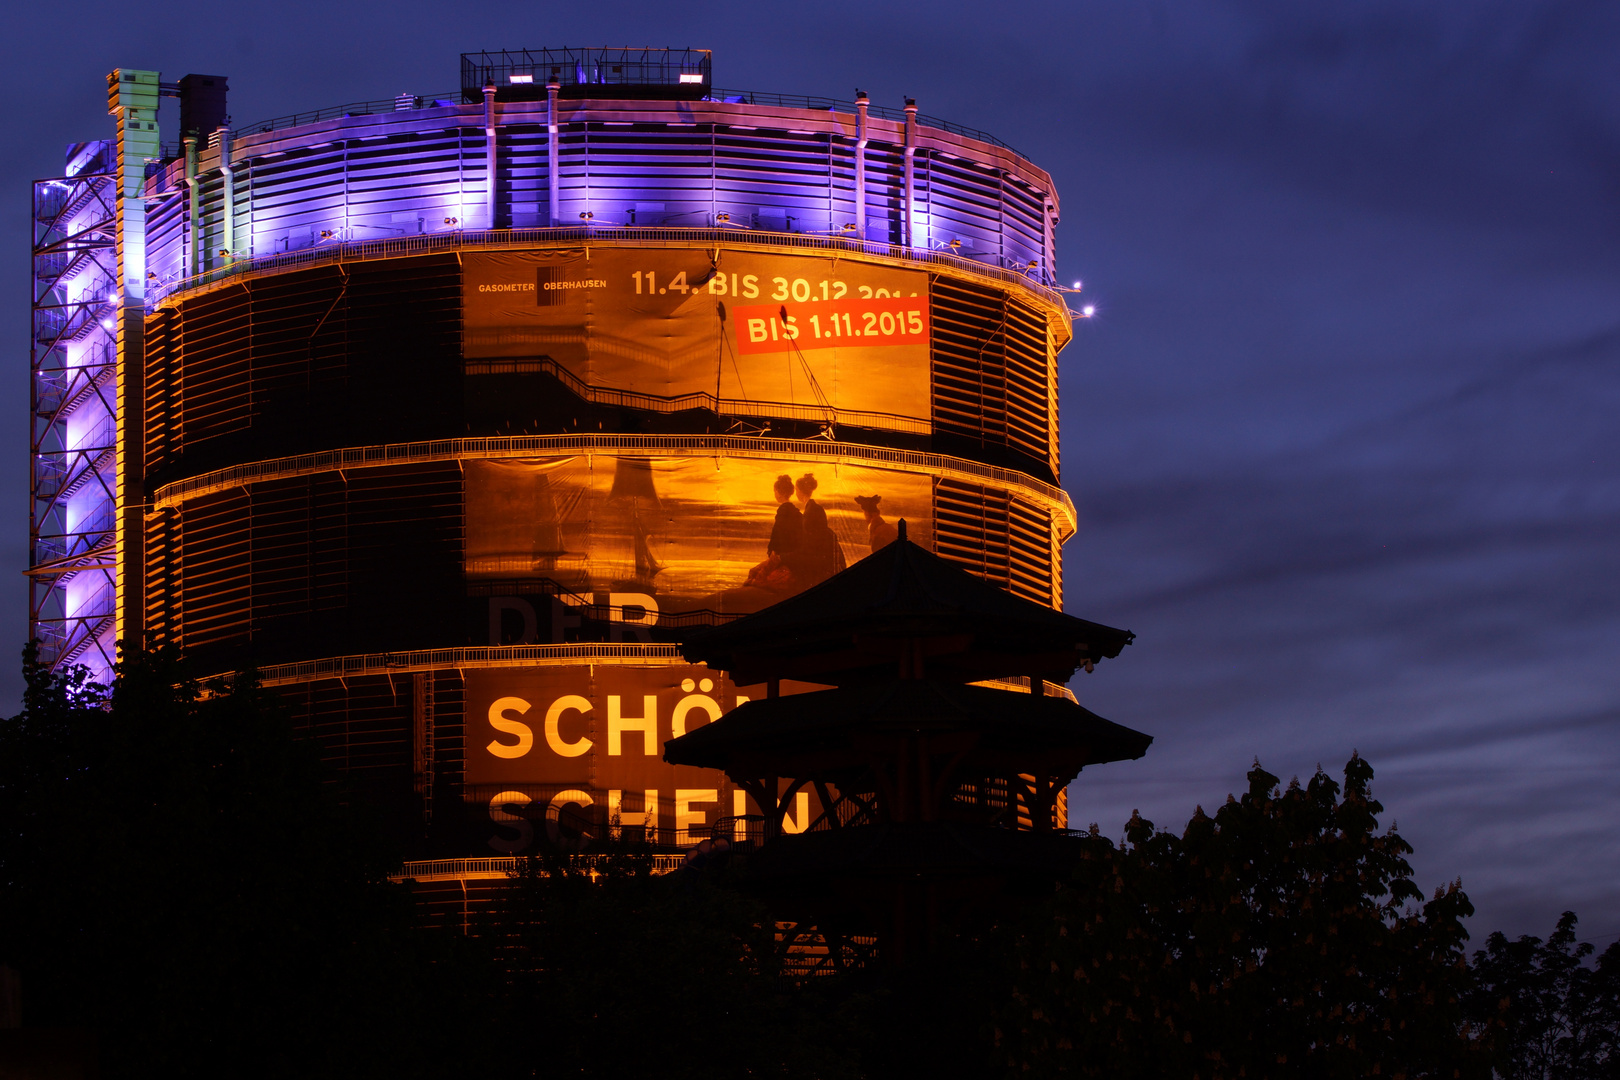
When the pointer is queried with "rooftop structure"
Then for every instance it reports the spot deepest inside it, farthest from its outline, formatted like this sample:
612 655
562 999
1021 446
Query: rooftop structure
624 74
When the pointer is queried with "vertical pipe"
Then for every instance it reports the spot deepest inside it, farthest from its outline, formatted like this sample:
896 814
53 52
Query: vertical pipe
911 156
252 234
1049 240
861 136
340 229
227 176
832 182
1001 217
551 152
489 155
193 210
132 97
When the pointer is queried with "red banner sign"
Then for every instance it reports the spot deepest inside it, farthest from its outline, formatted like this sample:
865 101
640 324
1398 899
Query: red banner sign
831 324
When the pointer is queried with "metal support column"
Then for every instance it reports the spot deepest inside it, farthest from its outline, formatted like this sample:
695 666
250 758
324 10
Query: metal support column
861 137
554 180
911 173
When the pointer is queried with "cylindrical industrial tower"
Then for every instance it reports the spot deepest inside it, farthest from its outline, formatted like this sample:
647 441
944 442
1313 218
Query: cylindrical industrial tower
449 414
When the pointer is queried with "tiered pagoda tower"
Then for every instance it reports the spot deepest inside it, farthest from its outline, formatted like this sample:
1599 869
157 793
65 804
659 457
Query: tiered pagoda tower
939 795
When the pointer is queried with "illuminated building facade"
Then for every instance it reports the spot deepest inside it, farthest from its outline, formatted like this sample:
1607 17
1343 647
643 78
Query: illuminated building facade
451 413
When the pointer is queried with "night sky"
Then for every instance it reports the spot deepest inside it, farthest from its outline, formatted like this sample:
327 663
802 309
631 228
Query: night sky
1342 433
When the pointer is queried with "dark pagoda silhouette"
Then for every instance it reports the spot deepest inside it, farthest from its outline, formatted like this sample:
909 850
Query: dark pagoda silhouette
938 797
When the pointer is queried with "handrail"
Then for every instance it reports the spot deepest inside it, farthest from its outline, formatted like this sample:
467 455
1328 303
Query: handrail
631 399
493 656
474 656
509 866
745 97
505 867
507 446
353 108
799 101
458 240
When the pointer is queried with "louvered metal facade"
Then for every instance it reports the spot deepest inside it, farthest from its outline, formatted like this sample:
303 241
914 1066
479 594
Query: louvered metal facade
268 190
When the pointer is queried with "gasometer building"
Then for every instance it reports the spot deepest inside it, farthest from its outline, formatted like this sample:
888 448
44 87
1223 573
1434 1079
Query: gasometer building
451 413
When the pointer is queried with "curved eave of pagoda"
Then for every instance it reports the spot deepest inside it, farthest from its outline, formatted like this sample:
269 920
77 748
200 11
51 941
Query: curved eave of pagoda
854 657
830 731
904 596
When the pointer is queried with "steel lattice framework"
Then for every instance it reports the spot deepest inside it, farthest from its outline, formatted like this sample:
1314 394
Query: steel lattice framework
73 434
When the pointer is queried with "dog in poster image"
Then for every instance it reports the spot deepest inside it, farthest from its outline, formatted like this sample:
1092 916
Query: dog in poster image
881 533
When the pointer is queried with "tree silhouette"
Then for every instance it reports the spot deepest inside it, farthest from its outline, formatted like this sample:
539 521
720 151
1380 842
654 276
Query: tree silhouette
1561 1018
180 878
181 881
620 972
1280 938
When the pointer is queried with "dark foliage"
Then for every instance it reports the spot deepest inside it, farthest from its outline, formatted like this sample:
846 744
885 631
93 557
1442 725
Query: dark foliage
619 972
1279 939
1561 1018
180 878
177 881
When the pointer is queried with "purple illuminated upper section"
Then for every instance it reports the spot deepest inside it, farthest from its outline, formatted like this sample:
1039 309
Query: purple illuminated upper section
424 167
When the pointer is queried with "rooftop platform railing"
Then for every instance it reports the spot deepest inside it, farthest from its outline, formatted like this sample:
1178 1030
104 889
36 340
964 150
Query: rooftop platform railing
732 97
398 103
639 72
825 104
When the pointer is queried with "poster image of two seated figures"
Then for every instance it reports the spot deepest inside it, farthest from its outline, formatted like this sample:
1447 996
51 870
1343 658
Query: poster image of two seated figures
602 547
614 548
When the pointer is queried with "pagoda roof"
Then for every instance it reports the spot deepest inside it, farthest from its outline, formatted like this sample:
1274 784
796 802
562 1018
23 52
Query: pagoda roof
904 601
830 731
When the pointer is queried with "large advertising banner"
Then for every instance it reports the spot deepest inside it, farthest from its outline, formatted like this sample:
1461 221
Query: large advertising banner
813 331
568 756
660 536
